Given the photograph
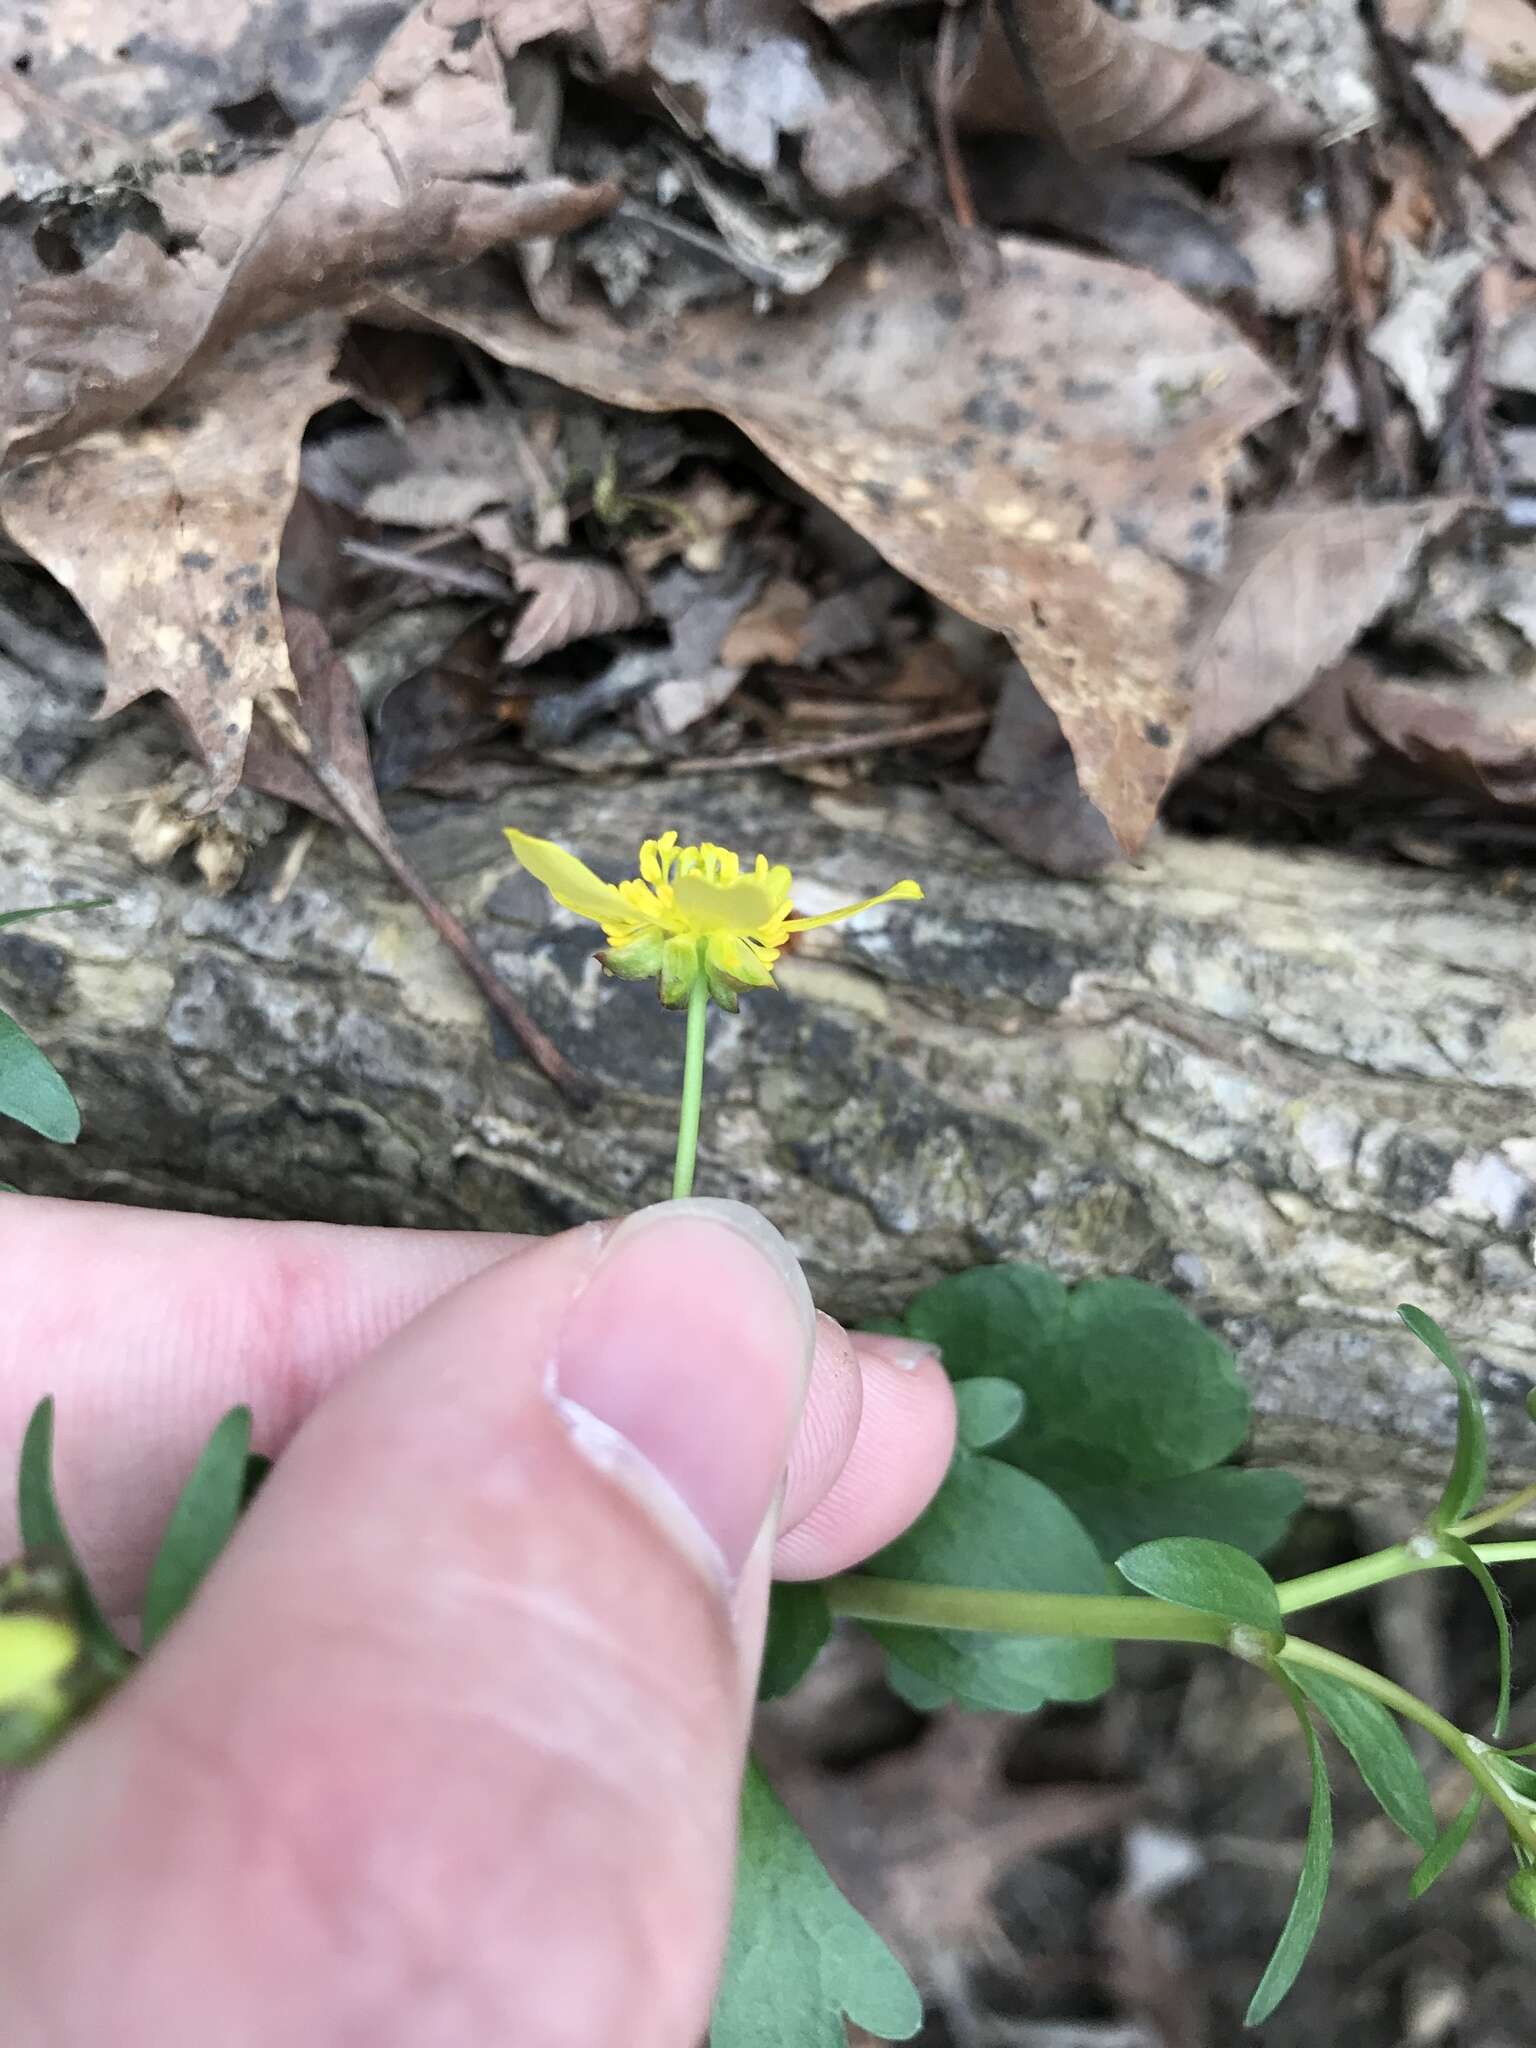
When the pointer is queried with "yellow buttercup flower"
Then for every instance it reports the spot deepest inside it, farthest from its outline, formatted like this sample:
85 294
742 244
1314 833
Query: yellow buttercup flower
692 910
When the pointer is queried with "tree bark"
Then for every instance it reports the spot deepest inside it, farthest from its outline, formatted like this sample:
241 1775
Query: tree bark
1297 1087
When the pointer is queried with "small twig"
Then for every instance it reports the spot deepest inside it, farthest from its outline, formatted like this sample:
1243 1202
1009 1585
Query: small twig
945 53
1470 417
794 751
1349 205
473 581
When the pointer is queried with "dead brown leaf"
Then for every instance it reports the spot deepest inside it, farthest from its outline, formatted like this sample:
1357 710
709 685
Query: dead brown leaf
1100 83
1036 448
1299 589
772 629
419 166
1027 796
571 600
1480 73
167 532
313 751
1478 731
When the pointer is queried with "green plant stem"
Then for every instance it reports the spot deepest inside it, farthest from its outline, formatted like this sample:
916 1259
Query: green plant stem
1499 1512
1102 1616
1398 1561
693 1091
1467 1753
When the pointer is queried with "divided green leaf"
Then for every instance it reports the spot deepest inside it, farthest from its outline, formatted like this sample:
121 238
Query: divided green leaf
1297 1935
1465 1555
1379 1748
1447 1848
43 1532
799 1957
32 1090
1469 1467
990 1526
1213 1577
799 1624
201 1523
1249 1508
987 1410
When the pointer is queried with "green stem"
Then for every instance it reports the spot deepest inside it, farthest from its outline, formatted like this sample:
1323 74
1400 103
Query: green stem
1467 1753
693 1091
1499 1512
1102 1616
1396 1562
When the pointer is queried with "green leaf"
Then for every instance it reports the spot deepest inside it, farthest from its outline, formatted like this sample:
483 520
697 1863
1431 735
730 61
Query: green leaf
1465 1555
989 1321
919 1693
1312 1888
799 1957
43 1531
1250 1509
1381 1753
1469 1467
990 1526
201 1523
799 1624
32 1090
48 909
1447 1848
1213 1577
988 1410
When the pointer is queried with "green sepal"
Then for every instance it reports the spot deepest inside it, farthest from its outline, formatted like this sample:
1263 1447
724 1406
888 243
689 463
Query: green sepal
44 1534
638 960
201 1523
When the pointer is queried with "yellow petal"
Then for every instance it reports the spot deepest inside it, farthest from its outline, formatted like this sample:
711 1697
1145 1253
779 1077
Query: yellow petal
903 892
739 906
570 881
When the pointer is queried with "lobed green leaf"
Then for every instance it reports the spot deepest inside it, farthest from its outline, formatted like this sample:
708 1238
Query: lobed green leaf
987 1410
1191 1571
201 1523
799 1625
799 1957
1251 1509
990 1526
1300 1929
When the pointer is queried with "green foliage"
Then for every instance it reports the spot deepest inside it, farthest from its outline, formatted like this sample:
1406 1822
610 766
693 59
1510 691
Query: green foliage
1312 1887
202 1522
990 1526
986 1411
799 1957
1447 1848
1466 1556
44 1534
1215 1578
1251 1510
1380 1752
32 1090
1469 1468
799 1623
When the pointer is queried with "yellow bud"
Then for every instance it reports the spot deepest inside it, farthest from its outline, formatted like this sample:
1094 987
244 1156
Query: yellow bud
35 1652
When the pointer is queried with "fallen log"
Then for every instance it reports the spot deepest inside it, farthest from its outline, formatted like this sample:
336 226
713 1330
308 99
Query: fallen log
1295 1086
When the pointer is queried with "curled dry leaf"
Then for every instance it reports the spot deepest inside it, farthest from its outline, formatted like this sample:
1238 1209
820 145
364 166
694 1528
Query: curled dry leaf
167 532
1473 731
1299 589
1035 448
419 166
1100 83
1410 337
571 600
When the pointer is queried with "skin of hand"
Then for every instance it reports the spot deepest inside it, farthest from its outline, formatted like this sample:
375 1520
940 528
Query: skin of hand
445 1754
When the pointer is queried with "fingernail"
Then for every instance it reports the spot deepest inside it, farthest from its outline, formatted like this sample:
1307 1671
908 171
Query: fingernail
905 1353
690 1348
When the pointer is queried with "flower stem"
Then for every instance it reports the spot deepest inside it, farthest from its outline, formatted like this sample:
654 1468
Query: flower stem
1396 1562
1100 1616
693 1091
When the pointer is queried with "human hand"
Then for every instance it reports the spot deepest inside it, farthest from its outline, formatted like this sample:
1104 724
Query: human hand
446 1750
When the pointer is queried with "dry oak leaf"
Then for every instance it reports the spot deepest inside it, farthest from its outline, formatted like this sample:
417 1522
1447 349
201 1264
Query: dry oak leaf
1101 83
1036 449
1478 731
167 532
418 167
571 600
1299 589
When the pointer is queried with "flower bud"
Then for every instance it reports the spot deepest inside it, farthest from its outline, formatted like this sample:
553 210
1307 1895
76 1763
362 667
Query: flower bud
1521 1893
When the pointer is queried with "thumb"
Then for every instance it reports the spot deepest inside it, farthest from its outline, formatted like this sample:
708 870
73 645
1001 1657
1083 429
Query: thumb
447 1751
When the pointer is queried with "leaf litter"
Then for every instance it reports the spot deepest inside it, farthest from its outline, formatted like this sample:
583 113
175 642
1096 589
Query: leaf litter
713 385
